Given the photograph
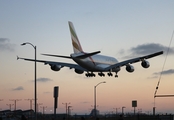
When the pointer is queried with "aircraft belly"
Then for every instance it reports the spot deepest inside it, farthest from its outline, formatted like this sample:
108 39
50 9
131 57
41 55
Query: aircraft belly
94 68
91 66
88 65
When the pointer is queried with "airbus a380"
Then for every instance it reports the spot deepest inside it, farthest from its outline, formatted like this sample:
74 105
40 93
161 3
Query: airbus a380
93 62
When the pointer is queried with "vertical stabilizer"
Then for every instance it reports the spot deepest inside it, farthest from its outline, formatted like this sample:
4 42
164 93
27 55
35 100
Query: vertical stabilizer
75 41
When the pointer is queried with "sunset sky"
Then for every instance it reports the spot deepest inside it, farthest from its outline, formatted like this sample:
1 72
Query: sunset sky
123 29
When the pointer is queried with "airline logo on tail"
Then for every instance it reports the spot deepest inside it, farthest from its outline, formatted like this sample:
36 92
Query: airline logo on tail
75 41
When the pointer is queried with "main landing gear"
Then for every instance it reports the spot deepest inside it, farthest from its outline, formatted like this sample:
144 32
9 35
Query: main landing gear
100 74
90 74
110 74
116 75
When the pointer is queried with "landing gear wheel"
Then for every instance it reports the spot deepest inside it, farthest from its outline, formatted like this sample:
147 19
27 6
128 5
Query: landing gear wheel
90 74
101 74
116 75
86 75
109 74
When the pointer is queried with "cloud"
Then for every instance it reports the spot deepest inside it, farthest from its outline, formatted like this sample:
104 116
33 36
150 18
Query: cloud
153 77
2 40
150 48
166 72
5 45
44 80
147 48
18 88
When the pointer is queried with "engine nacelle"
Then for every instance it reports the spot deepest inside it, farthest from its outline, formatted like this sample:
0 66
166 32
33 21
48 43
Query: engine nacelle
129 68
56 67
78 71
145 64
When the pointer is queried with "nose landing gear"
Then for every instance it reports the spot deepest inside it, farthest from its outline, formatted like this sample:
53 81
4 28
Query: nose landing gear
116 74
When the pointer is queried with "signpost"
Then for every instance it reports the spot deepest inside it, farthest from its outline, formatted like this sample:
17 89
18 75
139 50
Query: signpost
56 91
134 104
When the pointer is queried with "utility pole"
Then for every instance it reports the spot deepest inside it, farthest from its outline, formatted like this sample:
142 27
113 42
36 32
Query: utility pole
66 105
15 101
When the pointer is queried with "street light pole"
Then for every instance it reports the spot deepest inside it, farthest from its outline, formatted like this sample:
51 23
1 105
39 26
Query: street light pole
10 105
35 83
66 105
95 97
116 110
123 110
30 100
15 100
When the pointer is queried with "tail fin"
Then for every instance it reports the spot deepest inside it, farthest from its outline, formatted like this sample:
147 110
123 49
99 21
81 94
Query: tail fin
75 41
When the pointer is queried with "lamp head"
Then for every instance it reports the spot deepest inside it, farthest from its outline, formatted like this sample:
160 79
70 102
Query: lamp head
23 44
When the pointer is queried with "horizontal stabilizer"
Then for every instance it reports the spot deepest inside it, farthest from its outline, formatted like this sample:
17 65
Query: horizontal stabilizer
87 55
57 56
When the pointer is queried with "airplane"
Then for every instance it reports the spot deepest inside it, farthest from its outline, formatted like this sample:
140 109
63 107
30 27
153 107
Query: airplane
93 62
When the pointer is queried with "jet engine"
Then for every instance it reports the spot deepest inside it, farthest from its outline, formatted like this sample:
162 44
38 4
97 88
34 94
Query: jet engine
129 68
78 71
56 67
145 64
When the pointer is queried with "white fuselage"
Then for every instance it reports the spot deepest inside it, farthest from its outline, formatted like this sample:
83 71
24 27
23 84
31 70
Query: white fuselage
96 63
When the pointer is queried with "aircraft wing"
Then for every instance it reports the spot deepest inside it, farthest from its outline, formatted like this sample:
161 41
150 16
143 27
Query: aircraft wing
62 64
134 60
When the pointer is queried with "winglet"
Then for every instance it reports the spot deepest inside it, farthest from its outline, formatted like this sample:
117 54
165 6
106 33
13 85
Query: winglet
18 58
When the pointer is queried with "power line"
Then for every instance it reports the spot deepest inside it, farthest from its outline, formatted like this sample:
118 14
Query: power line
163 65
161 75
164 96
